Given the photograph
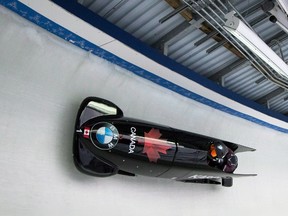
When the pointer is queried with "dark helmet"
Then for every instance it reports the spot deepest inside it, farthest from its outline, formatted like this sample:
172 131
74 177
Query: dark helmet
218 150
216 154
231 162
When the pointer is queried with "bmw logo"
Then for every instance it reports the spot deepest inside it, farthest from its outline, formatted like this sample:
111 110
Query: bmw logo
104 135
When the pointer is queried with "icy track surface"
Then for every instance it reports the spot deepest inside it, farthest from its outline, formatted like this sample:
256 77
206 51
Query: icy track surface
43 81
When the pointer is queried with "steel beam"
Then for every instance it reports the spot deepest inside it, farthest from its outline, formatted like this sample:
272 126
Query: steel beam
264 99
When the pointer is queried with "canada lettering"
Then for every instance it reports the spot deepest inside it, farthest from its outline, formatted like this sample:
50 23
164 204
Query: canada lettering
132 140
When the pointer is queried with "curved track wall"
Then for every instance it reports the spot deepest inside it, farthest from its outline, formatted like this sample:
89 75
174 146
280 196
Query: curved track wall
109 42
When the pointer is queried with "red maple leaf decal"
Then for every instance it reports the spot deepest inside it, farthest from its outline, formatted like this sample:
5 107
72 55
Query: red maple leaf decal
153 145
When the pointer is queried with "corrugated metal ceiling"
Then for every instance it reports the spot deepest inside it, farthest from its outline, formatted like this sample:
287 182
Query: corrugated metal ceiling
179 38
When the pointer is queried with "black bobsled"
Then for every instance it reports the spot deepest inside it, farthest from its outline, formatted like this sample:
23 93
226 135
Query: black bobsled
107 143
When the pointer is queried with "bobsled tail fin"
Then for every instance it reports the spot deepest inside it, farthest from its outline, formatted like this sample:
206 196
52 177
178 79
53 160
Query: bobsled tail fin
238 148
244 149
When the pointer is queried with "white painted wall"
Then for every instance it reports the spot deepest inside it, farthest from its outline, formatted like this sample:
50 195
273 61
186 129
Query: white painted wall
44 79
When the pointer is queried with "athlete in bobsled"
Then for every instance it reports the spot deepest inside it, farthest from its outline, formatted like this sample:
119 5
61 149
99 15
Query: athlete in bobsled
222 157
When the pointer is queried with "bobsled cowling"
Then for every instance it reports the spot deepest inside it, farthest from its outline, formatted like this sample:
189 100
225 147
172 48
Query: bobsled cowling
107 143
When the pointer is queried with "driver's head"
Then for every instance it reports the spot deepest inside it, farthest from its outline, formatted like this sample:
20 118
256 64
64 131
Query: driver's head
231 162
218 150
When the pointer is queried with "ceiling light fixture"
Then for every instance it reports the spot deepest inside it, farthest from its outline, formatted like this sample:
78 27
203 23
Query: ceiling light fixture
284 5
277 16
248 37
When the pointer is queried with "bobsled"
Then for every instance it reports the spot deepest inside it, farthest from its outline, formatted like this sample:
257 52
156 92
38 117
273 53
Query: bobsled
108 143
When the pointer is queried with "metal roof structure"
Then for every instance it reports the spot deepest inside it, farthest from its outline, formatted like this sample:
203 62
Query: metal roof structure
191 33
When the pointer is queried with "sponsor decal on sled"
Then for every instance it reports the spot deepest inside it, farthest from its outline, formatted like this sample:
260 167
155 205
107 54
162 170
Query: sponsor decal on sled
104 135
